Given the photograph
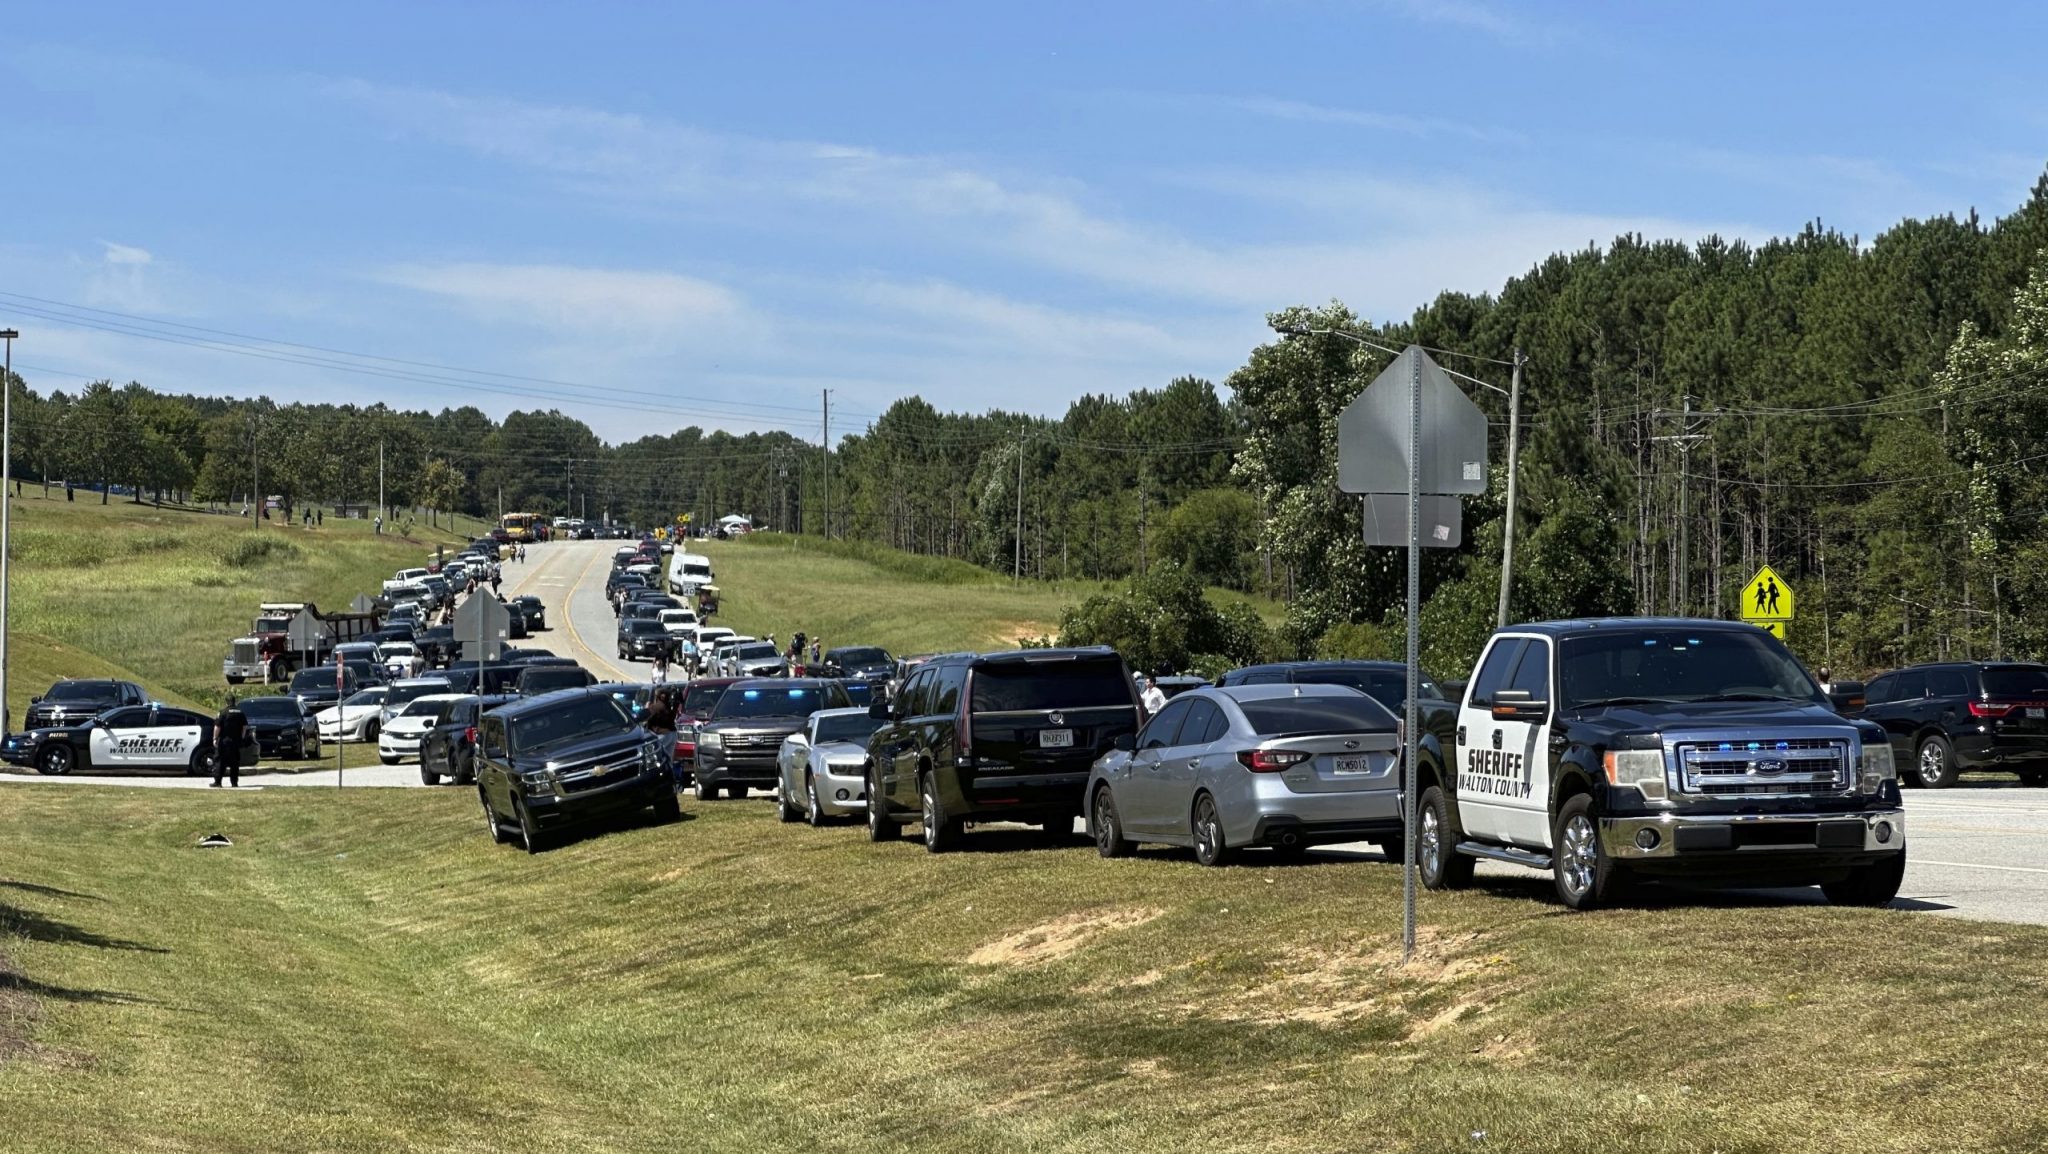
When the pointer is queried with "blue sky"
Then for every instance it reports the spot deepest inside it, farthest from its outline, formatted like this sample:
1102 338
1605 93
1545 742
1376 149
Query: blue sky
707 213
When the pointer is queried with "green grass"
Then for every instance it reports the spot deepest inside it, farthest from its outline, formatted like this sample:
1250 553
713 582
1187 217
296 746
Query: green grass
857 592
126 590
364 972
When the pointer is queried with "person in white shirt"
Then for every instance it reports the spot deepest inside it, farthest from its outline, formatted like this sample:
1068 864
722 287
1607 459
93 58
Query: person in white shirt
1153 697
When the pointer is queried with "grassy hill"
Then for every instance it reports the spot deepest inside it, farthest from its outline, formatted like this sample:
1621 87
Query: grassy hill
362 971
125 590
854 592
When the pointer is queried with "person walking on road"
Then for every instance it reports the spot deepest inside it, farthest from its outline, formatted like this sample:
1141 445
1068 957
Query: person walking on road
1153 697
690 658
229 730
659 675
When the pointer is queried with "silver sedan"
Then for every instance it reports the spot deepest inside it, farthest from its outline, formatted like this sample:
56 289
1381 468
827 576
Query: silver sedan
822 767
1280 766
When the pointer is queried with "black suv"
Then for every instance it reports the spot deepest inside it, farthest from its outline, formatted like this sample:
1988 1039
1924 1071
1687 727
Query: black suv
1383 681
544 762
537 678
856 663
738 744
995 737
70 702
449 749
1964 715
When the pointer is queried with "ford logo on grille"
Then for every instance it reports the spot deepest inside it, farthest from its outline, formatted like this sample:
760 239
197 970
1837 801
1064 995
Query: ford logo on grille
1767 765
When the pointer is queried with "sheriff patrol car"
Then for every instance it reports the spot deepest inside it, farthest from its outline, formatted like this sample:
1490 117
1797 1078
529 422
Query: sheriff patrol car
1615 750
136 737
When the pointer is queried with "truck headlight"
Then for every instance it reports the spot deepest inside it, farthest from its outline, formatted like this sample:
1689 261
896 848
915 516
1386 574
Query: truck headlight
539 781
1642 769
1877 766
710 739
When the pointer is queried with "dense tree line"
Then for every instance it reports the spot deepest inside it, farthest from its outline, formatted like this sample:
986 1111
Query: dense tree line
1863 416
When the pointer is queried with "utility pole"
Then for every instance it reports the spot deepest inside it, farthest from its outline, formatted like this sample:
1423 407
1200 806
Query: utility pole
6 503
1018 573
1507 545
1687 436
380 487
825 441
256 471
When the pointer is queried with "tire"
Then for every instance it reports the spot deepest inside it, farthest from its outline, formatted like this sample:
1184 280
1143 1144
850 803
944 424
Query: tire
736 792
388 758
56 759
1436 845
1874 885
941 833
1585 877
784 812
370 731
2034 778
704 791
311 752
428 776
1391 847
1106 827
814 811
1205 826
530 838
491 822
200 765
465 770
666 808
1936 766
880 827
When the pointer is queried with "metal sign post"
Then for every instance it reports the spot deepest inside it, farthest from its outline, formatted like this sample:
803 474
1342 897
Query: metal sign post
340 731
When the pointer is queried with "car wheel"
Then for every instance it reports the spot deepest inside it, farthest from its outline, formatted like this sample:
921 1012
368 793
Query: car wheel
529 829
466 771
814 810
666 808
1106 827
57 759
705 791
370 730
388 758
2034 777
428 776
491 822
1436 845
941 833
1207 827
200 765
736 792
1585 876
1871 885
1937 764
312 752
1391 846
880 826
784 812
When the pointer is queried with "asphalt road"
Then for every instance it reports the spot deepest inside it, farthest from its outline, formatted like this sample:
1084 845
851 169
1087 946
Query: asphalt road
1976 851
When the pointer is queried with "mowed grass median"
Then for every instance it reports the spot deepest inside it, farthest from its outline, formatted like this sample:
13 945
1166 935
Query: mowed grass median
365 972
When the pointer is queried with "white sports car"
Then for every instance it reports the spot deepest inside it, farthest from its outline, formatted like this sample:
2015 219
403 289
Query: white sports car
821 768
357 718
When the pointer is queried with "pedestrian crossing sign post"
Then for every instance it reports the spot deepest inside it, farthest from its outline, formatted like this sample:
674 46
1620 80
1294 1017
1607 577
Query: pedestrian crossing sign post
1768 602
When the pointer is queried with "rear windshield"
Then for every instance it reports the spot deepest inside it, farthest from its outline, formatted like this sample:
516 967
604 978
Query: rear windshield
1385 688
305 679
269 707
770 701
80 690
1293 716
568 722
1012 687
2028 681
702 698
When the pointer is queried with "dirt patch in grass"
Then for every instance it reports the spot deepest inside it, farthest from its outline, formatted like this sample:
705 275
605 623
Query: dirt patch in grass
1058 938
1331 985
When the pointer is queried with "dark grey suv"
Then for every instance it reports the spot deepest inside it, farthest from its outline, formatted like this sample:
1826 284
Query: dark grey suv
545 762
738 744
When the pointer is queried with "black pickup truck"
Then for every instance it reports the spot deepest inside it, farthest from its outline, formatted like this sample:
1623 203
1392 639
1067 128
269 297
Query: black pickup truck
1617 750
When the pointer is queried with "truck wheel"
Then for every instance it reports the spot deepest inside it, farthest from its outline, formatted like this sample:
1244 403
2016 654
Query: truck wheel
704 790
1436 845
1937 764
1586 877
1207 827
56 759
1872 885
880 826
529 830
1106 827
941 833
491 822
428 776
666 808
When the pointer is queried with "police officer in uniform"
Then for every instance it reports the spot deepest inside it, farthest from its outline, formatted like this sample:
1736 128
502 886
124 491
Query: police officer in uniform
229 730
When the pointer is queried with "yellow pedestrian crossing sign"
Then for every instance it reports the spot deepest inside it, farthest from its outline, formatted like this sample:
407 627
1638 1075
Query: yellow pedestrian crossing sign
1768 602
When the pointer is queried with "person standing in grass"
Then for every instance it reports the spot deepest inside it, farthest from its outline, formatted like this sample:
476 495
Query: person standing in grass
229 730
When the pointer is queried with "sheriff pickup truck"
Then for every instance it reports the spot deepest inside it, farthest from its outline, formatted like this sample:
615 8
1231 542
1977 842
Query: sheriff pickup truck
1620 750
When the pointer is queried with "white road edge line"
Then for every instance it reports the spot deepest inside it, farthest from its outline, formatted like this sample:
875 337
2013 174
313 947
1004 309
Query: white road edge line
1967 865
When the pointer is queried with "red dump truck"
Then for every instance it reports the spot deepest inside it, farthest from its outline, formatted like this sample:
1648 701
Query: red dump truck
269 652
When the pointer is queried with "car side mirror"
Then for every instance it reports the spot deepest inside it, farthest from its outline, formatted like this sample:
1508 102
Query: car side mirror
878 710
1847 696
1125 742
1518 705
36 700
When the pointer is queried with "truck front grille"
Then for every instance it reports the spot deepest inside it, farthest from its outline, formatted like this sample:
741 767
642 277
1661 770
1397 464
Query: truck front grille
1765 768
245 653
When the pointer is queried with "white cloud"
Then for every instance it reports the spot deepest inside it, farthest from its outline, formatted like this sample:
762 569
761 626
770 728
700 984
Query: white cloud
121 279
124 254
588 300
1421 127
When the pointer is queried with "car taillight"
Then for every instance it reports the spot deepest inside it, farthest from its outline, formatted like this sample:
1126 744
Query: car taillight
1986 709
1271 760
965 729
469 735
685 748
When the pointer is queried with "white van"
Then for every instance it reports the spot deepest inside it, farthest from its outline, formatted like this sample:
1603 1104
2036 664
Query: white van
687 571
